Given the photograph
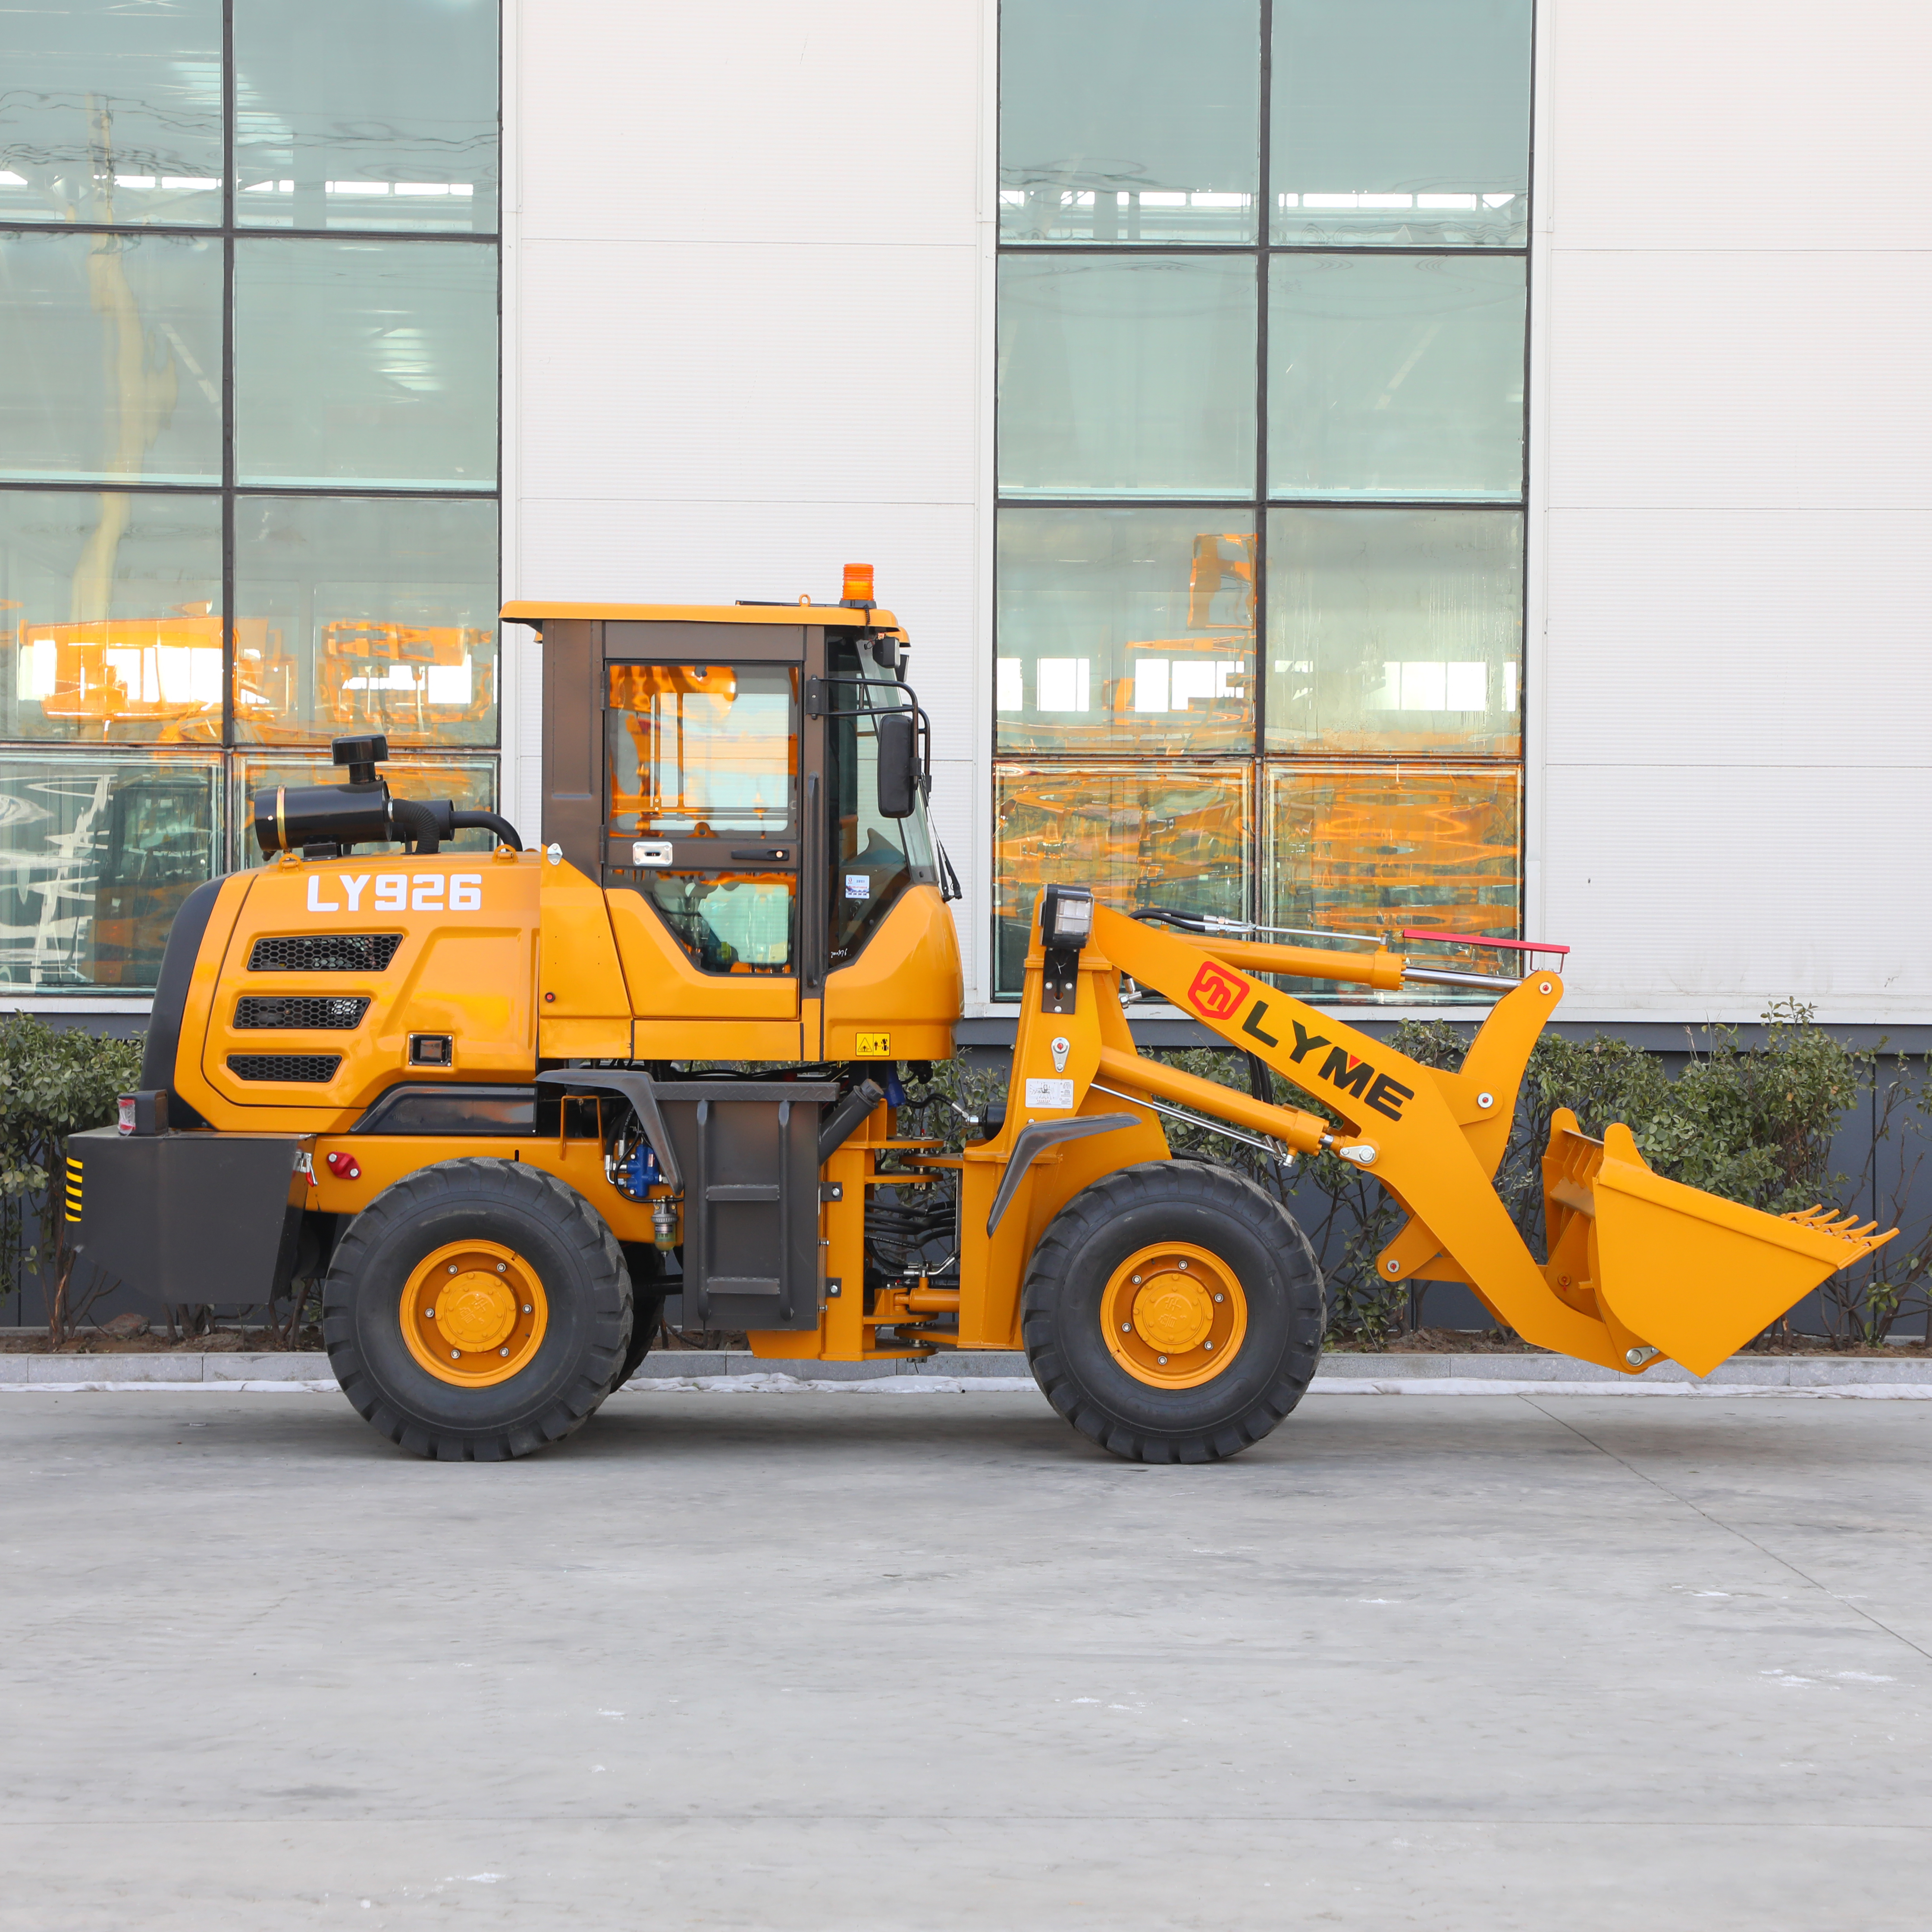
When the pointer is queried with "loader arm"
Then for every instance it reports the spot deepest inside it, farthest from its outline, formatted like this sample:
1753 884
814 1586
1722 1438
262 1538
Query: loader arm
1432 1138
1640 1267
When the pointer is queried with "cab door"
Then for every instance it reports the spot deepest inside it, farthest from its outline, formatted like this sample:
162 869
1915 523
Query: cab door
702 861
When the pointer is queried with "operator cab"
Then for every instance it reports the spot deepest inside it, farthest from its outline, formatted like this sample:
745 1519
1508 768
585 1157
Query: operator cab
753 778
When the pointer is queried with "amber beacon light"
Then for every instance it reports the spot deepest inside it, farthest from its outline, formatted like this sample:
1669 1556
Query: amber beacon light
858 585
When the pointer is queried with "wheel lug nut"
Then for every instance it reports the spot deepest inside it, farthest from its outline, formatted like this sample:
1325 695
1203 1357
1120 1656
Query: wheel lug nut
502 1267
456 1354
1218 1297
1137 1281
1206 1344
1184 1267
1163 1361
526 1308
502 1352
429 1314
1127 1328
452 1267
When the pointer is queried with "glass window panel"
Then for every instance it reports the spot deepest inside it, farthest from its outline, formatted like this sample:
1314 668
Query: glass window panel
98 850
356 614
470 782
1373 849
1140 835
366 114
1126 630
1130 377
111 113
702 751
365 362
1396 375
110 616
1395 630
875 858
727 922
1401 121
110 359
1128 120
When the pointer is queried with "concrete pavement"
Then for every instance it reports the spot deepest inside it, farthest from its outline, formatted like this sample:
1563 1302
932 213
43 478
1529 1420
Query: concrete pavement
929 1660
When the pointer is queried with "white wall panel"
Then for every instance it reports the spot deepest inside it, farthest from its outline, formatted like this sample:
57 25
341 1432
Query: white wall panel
1729 527
1702 893
741 373
674 552
1801 638
1729 380
1709 125
748 279
762 121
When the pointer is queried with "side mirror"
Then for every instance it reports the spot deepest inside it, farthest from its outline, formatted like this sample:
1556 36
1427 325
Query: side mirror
899 763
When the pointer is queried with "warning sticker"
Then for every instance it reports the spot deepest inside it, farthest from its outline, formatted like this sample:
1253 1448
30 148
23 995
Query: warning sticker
875 1046
1050 1094
858 886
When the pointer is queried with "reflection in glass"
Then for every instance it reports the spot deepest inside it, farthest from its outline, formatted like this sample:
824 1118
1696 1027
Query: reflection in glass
97 854
1127 376
365 362
470 782
1395 630
111 113
726 921
1373 849
1401 122
112 370
366 114
1128 120
702 751
1140 835
356 614
1396 375
110 616
1125 631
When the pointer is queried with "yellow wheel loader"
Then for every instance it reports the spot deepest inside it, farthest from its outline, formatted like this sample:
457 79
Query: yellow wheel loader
502 1105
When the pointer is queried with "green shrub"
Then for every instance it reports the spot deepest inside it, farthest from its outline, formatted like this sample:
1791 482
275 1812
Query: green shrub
1752 1124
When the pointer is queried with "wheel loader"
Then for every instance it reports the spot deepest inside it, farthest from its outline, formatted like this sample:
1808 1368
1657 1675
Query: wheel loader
500 1106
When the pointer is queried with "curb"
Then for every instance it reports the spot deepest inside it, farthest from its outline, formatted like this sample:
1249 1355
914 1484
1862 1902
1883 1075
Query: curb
998 1371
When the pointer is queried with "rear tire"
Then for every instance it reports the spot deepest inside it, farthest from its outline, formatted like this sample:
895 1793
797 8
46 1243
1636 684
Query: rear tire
1193 1224
565 1362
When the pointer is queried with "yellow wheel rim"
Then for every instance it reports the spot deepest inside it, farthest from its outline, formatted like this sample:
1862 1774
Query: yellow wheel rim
474 1313
1174 1315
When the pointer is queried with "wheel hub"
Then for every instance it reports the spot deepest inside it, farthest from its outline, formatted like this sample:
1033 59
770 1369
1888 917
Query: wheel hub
1173 1312
474 1312
1175 1315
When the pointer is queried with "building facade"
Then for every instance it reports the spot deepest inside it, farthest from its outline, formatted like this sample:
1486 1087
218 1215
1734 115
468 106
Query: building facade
1351 465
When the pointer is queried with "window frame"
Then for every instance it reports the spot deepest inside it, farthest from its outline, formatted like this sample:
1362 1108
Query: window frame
1264 250
233 751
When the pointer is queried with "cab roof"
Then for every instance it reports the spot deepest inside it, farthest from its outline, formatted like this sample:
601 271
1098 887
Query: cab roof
530 611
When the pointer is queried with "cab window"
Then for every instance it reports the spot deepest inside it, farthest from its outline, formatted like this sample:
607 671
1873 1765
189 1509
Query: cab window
726 922
874 858
699 752
702 751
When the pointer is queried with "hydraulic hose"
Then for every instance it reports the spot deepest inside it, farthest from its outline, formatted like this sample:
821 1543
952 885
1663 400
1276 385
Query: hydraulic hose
487 821
422 825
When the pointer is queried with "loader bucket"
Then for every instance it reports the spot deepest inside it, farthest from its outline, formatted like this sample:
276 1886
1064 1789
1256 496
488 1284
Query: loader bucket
1671 1266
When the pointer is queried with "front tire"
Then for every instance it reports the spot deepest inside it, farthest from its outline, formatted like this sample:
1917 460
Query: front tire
1173 1312
476 1310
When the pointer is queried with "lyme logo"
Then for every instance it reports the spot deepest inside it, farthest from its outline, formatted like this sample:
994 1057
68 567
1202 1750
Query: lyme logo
1217 994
